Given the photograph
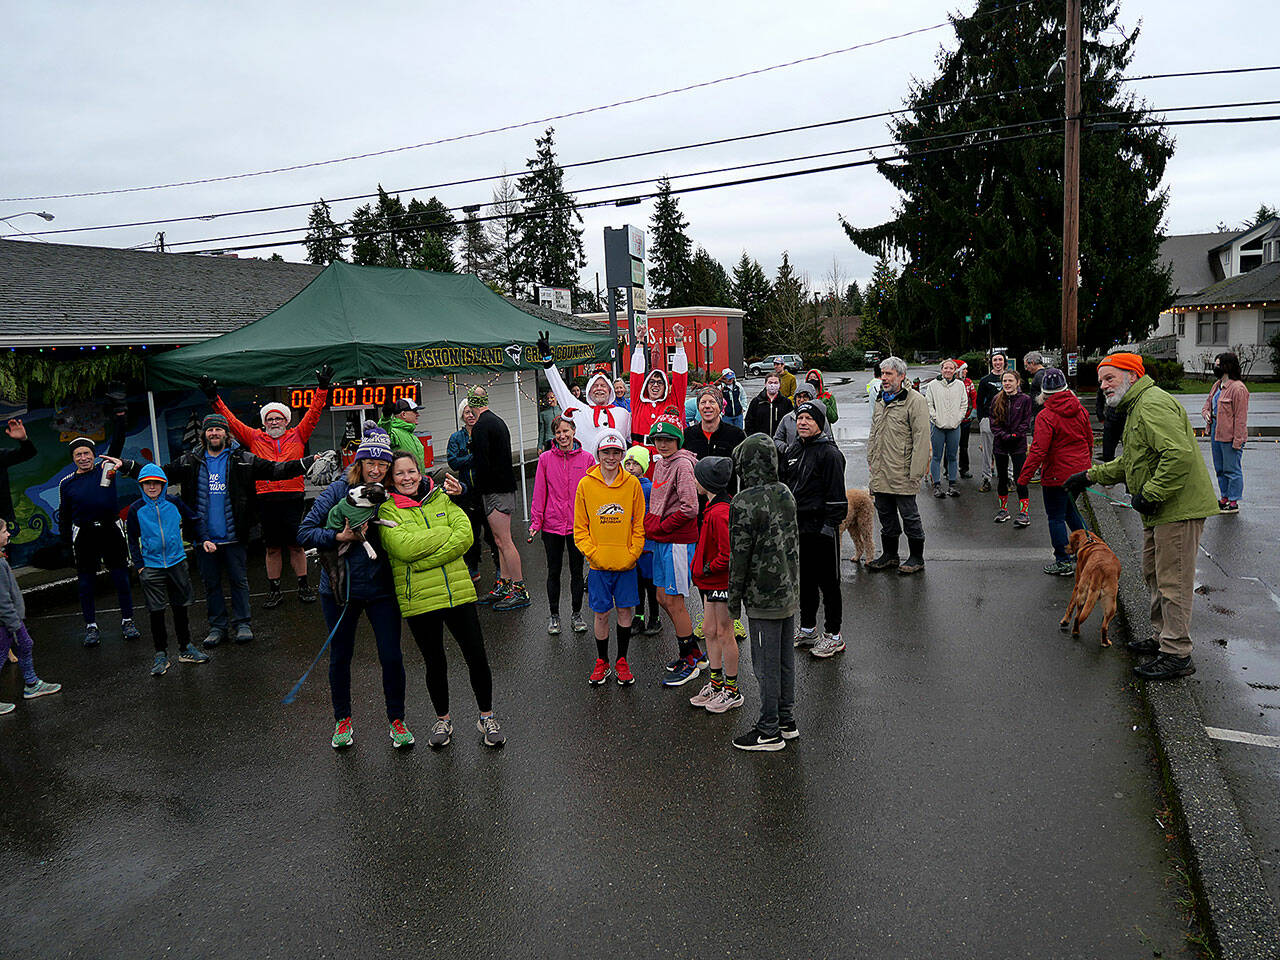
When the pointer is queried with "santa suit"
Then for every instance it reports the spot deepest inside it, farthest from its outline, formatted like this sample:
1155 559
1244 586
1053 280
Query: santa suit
645 410
589 421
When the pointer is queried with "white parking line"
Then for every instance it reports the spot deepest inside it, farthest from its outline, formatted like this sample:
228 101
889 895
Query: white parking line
1240 736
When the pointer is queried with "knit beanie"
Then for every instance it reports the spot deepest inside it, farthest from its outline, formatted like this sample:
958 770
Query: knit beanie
1053 381
815 410
640 455
214 420
79 442
279 408
1124 361
714 473
667 424
376 445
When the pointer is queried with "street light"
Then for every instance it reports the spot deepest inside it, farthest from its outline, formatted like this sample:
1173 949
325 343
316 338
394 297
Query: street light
29 213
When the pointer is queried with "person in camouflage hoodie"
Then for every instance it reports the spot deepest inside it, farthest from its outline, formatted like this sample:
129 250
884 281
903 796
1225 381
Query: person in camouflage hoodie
764 576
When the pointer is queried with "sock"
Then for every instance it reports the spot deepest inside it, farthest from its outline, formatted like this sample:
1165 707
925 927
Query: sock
158 635
91 623
686 645
1004 502
1025 504
602 648
717 679
624 640
731 682
274 583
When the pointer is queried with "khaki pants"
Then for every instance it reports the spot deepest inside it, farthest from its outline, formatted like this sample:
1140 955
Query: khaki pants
1169 568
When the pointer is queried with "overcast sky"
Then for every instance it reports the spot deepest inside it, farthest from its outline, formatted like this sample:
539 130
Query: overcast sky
100 96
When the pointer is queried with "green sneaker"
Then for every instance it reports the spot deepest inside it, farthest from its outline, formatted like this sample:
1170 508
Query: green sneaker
697 628
40 688
342 734
400 735
739 631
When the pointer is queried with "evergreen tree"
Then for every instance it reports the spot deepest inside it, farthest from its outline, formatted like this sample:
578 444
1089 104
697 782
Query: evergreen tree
376 242
853 299
477 248
792 321
980 228
750 292
324 241
709 284
670 270
881 321
1263 214
504 236
421 219
433 254
551 250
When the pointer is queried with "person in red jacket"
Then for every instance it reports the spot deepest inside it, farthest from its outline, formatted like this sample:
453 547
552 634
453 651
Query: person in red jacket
652 394
280 501
712 476
1061 445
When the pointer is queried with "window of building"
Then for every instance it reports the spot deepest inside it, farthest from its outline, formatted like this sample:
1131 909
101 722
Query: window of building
1270 324
1182 324
1212 329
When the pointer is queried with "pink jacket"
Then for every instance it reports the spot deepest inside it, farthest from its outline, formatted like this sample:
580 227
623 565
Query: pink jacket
555 486
1233 411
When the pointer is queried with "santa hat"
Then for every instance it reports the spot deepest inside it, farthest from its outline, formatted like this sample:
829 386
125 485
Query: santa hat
279 408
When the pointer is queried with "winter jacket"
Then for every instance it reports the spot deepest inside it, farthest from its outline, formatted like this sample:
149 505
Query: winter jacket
589 421
813 470
787 384
13 608
948 402
732 394
491 455
11 458
290 445
711 558
82 499
764 416
1233 411
764 538
786 433
1160 458
1010 431
673 502
458 453
546 417
1063 441
674 388
154 529
822 393
1105 413
426 548
898 448
554 489
988 387
400 433
972 393
719 444
367 579
608 520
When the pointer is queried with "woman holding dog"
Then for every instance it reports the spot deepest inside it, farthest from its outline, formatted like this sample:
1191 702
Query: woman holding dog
369 590
1063 445
1011 412
1225 411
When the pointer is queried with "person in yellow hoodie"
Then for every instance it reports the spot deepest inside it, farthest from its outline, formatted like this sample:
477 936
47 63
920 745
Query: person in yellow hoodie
608 528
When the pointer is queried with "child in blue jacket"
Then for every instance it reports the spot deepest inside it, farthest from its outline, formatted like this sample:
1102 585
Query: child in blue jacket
154 527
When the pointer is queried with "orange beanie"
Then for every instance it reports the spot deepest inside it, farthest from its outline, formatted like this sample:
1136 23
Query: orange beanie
1124 361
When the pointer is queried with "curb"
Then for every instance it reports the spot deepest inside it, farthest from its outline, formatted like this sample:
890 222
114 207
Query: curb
1231 897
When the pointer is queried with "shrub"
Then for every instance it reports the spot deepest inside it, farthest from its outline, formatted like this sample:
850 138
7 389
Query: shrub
1166 373
977 361
845 357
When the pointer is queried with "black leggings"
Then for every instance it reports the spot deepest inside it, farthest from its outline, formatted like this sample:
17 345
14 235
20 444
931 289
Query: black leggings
1019 457
820 576
181 627
556 544
480 532
428 634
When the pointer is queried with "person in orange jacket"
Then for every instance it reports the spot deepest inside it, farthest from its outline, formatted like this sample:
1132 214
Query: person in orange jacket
280 501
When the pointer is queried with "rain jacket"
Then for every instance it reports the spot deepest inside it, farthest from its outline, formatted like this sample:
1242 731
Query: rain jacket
426 548
290 445
554 487
673 501
366 579
1233 412
1010 433
458 453
711 558
13 608
813 469
83 500
898 447
608 520
815 377
786 434
1063 442
764 556
589 421
400 432
643 410
763 416
948 402
154 529
988 387
1159 457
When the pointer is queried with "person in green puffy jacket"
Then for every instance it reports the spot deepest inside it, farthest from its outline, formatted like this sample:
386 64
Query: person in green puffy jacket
426 543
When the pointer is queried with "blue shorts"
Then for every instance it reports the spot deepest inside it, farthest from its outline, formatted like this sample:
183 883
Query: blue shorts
673 567
644 566
607 589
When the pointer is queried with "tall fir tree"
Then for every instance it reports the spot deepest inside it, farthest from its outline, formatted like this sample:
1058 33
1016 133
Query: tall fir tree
670 251
792 320
421 219
980 229
853 299
504 235
709 284
751 292
882 326
476 248
324 240
551 250
379 235
432 253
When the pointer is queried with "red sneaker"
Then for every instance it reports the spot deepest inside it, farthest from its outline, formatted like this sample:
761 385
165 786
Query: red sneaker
624 673
600 674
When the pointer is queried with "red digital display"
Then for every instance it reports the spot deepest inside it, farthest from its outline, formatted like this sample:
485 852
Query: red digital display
357 396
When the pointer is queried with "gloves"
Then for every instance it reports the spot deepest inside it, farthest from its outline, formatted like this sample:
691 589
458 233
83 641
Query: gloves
209 387
1143 505
544 347
388 409
1075 484
323 467
324 376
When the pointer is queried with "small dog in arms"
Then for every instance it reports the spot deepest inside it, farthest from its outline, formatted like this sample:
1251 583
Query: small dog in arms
358 508
1097 577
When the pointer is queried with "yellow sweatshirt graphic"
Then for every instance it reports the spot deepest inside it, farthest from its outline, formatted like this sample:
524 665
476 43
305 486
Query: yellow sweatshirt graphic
608 520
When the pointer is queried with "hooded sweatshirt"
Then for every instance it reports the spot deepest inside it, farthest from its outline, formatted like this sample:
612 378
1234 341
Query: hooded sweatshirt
154 528
608 520
555 486
711 559
589 421
764 559
1063 442
814 377
673 501
645 410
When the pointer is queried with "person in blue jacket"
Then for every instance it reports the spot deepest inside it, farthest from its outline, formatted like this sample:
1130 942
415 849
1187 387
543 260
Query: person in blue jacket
154 527
370 590
461 461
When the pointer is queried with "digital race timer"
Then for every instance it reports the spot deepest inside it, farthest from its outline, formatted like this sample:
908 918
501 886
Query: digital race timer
357 396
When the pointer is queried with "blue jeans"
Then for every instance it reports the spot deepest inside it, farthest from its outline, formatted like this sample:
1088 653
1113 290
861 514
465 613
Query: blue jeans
736 421
1227 465
230 557
384 616
1063 517
944 442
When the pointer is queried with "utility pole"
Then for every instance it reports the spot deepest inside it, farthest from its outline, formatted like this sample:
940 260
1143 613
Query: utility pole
1071 193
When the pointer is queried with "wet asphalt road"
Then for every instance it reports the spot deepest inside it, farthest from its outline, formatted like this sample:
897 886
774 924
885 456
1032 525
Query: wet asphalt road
968 783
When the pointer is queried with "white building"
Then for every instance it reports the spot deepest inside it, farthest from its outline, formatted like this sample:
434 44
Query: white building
1227 297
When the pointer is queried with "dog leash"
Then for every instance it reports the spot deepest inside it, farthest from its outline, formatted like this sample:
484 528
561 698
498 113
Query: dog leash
297 687
1118 503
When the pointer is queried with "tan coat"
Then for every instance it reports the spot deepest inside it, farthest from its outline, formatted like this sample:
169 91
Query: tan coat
898 448
1233 413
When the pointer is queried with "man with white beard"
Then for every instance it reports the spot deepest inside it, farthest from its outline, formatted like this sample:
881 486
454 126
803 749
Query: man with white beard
1170 486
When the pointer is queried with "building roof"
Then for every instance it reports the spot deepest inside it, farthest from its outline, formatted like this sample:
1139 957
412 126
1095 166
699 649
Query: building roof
1259 286
53 294
1189 256
558 316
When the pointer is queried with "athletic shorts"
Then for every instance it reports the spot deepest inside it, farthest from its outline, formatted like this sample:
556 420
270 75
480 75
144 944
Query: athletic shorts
280 515
644 566
714 596
501 502
673 567
166 586
100 544
607 589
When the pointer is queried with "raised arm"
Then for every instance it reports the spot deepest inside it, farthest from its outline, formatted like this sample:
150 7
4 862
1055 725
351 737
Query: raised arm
318 402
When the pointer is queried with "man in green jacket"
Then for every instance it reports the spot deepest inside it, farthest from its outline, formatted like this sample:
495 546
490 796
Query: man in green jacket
399 420
1170 486
898 452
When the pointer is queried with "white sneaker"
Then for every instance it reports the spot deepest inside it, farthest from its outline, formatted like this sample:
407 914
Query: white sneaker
806 636
702 697
727 700
828 646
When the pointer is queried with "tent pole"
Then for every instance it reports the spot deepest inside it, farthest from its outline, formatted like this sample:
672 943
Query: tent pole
155 433
524 489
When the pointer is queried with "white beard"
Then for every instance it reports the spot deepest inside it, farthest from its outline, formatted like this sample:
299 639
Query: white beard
1120 391
275 433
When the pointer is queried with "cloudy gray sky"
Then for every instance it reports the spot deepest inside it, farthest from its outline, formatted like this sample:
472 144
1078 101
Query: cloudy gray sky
100 96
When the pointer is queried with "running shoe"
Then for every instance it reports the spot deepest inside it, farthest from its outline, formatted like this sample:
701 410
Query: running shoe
553 625
985 485
500 589
7 708
159 665
129 630
274 598
1060 568
516 598
788 730
342 733
1222 503
577 623
1232 506
91 637
672 665
493 735
726 701
1023 519
400 735
753 739
244 633
441 733
306 594
937 491
828 646
806 636
700 658
189 654
703 696
1002 516
739 631
652 626
600 674
213 638
624 674
953 490
40 688
689 670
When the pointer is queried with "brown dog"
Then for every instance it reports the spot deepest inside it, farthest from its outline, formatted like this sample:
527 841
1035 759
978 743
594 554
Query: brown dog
1097 575
860 522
